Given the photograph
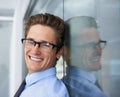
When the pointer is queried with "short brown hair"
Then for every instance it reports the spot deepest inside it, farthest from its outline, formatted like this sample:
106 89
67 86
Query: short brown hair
48 20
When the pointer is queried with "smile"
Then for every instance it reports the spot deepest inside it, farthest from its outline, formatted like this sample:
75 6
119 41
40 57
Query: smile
96 59
33 58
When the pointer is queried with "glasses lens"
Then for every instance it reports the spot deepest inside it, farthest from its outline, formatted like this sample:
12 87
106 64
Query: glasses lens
28 43
42 46
102 44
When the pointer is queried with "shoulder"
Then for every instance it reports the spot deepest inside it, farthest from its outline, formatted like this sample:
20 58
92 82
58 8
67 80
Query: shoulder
57 88
83 88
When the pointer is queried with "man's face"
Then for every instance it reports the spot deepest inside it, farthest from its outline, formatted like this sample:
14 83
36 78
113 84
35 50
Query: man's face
85 54
36 58
92 58
92 55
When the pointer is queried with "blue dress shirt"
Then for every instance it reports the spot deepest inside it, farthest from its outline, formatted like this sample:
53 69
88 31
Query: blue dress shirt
44 84
81 83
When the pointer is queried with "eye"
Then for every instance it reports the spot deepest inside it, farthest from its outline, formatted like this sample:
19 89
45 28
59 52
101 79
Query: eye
45 44
30 42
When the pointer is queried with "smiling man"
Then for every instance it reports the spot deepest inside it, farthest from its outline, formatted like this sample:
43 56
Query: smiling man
43 46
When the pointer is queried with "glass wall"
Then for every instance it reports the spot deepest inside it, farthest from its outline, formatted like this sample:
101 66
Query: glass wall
107 16
5 29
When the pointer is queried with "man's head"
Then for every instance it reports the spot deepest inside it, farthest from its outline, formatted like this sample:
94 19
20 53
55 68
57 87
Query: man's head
83 50
44 36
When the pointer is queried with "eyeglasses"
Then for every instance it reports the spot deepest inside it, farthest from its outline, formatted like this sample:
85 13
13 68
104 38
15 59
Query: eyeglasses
43 46
101 44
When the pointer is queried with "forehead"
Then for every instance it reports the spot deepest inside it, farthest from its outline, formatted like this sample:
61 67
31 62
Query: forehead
85 36
42 33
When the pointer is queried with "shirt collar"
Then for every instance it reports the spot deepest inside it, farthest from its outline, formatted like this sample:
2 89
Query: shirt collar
34 77
77 72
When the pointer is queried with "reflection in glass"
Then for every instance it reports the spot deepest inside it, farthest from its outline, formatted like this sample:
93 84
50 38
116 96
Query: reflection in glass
83 52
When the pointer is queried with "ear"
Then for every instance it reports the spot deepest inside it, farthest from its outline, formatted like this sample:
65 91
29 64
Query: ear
59 53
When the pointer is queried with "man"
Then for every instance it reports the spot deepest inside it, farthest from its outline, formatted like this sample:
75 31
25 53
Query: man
43 46
82 54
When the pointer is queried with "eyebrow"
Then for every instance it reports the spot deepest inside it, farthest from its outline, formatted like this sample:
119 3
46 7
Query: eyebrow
39 41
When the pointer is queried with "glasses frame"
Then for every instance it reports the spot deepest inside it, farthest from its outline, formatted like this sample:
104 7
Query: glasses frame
104 42
40 43
100 43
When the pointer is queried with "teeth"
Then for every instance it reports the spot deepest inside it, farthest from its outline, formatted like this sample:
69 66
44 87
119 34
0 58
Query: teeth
35 59
96 59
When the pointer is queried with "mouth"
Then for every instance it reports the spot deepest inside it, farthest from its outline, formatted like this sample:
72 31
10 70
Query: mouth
96 59
35 58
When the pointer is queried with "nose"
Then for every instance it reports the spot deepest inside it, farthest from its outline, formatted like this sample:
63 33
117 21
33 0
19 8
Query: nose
99 49
36 44
36 48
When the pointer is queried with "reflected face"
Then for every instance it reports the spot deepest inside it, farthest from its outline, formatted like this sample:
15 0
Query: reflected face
93 52
36 58
87 55
93 58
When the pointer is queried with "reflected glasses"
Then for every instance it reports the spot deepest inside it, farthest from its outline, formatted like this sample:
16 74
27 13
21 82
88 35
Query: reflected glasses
43 46
101 44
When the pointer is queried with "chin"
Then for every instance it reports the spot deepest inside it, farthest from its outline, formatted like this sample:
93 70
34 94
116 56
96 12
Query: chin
95 67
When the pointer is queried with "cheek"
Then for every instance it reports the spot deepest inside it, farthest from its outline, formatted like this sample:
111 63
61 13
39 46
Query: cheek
50 58
25 53
87 54
90 53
